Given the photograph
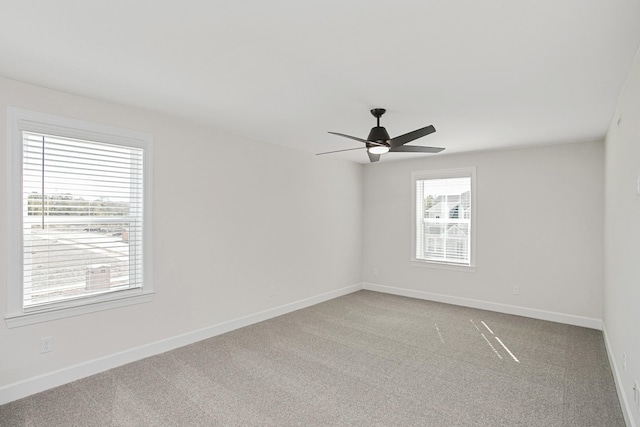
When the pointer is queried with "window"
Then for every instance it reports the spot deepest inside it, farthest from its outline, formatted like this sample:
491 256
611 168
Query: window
79 202
444 218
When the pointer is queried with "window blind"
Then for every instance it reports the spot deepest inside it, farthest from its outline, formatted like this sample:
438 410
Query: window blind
82 218
443 220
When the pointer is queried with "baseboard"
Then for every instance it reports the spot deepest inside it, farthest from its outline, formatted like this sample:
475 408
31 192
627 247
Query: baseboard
50 380
622 396
569 319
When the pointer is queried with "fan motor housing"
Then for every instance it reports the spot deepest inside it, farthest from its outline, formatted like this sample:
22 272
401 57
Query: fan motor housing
378 134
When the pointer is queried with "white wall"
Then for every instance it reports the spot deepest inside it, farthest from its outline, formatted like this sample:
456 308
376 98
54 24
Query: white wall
622 241
539 227
235 220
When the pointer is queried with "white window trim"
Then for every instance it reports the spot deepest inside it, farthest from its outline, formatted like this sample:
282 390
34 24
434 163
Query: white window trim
435 174
19 120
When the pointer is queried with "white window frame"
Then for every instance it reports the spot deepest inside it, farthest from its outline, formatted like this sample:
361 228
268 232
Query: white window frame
19 120
469 172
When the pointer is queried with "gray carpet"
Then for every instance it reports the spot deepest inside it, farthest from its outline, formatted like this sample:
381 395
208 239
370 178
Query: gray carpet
365 359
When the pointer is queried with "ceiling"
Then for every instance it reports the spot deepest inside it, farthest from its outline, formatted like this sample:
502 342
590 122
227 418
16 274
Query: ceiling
487 74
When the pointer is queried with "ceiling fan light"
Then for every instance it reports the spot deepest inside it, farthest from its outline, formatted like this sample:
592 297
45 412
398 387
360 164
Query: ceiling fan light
378 149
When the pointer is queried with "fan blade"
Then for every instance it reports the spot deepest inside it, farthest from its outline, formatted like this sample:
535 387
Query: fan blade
355 138
373 157
415 149
408 137
338 151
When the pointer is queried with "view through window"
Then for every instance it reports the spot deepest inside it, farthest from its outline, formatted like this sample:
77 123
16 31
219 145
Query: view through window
443 220
82 218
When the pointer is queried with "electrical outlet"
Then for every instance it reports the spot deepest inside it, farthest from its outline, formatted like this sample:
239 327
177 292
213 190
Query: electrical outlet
46 345
636 394
624 362
375 271
516 290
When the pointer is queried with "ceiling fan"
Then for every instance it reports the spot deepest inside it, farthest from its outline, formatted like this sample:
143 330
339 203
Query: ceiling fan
378 141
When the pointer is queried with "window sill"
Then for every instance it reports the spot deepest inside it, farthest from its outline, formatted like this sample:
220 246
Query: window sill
443 266
30 318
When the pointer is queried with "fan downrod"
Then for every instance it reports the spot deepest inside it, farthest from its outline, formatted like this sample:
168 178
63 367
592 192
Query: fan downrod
377 113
